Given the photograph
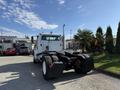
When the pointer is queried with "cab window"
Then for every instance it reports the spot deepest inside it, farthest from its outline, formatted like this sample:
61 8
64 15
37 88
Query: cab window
50 38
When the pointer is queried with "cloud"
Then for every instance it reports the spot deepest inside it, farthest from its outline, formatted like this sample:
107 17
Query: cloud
25 4
2 2
61 2
82 26
80 7
29 18
82 10
20 12
10 32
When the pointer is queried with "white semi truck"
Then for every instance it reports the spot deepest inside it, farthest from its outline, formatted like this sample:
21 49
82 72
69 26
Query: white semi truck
48 50
47 42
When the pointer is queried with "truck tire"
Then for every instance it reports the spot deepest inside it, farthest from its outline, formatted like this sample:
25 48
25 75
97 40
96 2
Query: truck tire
80 71
45 67
79 68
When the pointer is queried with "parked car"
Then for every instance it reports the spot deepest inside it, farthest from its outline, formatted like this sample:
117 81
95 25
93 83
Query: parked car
24 50
10 51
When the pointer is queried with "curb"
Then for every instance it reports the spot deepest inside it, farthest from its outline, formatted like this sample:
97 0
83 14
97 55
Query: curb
108 73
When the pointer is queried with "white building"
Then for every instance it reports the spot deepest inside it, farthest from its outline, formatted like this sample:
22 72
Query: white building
7 42
13 41
72 44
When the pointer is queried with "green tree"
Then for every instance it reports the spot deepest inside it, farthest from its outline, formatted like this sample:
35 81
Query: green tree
100 39
109 46
118 40
85 37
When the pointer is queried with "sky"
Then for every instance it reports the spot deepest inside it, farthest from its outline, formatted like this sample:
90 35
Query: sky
31 17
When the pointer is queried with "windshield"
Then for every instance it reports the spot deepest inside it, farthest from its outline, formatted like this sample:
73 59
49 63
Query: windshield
50 38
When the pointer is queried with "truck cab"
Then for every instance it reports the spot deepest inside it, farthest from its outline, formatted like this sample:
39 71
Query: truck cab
47 42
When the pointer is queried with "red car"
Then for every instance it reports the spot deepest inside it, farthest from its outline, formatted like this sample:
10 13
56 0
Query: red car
10 51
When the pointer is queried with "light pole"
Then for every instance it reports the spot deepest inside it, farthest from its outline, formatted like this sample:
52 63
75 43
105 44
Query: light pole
2 41
63 36
70 34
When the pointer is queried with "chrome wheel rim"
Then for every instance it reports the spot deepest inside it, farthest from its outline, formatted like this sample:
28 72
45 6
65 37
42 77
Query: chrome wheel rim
44 67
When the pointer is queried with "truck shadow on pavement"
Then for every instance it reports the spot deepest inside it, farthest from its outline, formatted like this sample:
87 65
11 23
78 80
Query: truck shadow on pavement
28 76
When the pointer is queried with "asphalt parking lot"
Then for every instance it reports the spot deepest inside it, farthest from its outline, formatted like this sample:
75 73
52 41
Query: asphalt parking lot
19 73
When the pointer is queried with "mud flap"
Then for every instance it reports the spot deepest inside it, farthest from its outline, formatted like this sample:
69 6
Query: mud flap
56 70
88 64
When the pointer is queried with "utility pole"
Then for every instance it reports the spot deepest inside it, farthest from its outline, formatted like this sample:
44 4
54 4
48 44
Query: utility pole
70 34
1 37
63 36
2 40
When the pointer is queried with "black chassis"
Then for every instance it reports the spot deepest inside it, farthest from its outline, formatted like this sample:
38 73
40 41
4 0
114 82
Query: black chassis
57 62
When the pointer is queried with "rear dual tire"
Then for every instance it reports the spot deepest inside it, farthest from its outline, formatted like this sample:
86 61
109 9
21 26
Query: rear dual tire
78 67
45 70
45 67
80 71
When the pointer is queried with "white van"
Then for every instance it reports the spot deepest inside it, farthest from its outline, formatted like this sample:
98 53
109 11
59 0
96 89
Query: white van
47 42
